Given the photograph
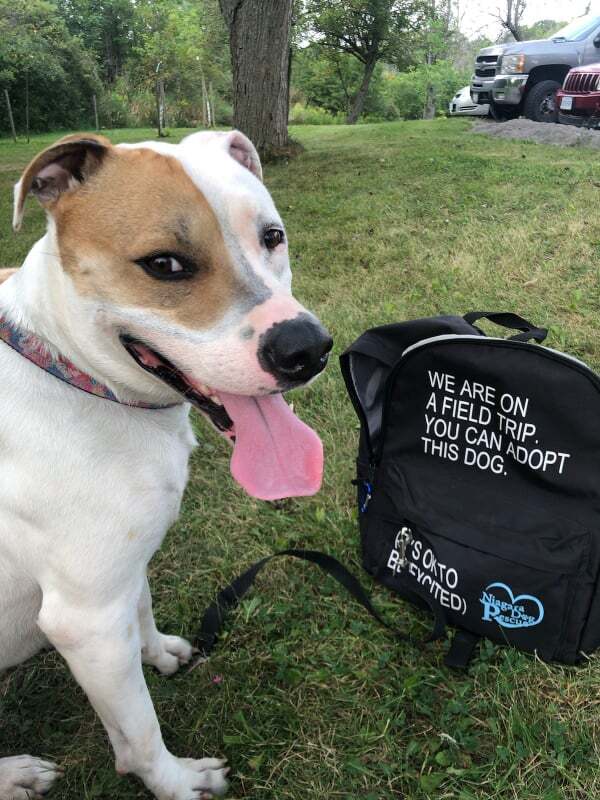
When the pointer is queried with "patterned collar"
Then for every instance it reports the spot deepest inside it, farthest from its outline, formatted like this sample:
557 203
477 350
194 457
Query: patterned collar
35 350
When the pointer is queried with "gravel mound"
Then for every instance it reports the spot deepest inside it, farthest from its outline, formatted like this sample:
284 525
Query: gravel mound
541 132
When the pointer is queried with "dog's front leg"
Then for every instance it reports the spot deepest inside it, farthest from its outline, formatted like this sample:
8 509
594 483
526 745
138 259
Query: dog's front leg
102 647
166 653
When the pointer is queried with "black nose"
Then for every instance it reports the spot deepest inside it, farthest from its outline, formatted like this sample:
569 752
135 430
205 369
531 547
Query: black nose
295 350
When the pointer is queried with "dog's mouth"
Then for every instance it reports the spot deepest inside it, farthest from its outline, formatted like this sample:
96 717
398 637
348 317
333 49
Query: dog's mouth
200 396
275 454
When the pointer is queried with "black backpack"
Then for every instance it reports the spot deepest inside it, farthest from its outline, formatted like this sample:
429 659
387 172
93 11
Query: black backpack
478 485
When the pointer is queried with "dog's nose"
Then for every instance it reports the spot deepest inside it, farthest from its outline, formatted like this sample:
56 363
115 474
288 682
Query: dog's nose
295 350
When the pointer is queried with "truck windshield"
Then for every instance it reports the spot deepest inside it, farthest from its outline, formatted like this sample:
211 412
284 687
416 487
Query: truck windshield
578 29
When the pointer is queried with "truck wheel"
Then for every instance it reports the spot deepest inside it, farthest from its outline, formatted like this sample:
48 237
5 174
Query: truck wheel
503 113
540 103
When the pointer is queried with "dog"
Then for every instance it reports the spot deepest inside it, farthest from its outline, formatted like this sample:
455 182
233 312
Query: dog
6 273
162 282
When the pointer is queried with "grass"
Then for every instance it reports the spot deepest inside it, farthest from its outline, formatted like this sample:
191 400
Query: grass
305 696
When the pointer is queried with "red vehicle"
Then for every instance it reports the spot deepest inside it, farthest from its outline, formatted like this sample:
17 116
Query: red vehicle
578 102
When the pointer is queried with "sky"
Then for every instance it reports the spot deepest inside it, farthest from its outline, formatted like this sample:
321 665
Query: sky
478 15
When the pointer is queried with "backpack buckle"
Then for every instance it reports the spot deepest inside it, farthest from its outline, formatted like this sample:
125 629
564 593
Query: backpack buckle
365 493
368 494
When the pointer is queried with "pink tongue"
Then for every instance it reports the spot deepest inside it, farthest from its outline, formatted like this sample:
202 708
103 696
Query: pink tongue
275 454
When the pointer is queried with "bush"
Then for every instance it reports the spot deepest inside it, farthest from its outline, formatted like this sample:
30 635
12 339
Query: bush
324 84
128 106
405 93
114 111
313 115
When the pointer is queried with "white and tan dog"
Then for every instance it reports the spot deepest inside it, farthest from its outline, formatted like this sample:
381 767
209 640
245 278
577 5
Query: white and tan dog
164 272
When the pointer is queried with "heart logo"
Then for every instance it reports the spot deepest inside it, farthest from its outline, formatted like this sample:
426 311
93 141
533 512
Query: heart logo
523 611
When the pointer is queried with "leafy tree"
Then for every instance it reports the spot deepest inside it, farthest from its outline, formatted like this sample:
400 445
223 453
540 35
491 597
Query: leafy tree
437 39
406 93
43 66
368 30
184 45
328 79
542 29
106 28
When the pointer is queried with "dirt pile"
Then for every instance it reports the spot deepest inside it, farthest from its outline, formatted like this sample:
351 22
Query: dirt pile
541 132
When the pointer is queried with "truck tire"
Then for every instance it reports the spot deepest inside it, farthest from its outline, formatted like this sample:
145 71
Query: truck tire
540 103
502 113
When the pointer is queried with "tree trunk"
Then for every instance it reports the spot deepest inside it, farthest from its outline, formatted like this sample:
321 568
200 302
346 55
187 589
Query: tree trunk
204 104
97 123
429 108
10 115
27 105
110 64
211 105
259 40
160 107
359 100
163 104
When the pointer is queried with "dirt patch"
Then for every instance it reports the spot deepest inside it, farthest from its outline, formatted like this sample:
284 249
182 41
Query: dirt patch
541 132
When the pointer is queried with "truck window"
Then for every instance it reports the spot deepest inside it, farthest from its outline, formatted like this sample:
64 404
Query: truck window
578 29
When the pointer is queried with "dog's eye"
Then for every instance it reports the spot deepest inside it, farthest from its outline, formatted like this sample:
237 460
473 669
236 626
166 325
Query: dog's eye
167 267
273 237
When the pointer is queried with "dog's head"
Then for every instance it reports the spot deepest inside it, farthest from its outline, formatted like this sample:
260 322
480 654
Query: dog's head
176 272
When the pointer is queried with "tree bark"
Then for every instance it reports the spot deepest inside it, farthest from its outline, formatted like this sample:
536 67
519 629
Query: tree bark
10 114
211 105
110 59
160 107
204 104
359 100
259 40
429 107
27 105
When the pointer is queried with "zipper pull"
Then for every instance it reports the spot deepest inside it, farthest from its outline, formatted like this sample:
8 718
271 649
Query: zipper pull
404 538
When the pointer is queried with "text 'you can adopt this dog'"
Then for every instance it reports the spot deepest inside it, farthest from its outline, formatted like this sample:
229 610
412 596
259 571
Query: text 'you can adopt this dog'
484 428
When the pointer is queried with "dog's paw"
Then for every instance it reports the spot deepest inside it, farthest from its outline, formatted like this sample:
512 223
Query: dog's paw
208 776
26 778
167 653
194 779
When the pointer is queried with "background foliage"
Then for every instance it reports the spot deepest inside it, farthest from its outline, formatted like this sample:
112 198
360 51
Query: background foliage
63 52
73 49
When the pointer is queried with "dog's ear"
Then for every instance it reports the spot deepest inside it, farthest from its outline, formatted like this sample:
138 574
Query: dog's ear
242 149
62 167
235 143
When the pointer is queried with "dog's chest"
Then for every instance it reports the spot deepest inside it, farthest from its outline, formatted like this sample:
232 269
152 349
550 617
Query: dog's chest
78 468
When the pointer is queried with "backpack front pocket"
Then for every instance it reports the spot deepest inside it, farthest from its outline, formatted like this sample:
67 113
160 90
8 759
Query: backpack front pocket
525 590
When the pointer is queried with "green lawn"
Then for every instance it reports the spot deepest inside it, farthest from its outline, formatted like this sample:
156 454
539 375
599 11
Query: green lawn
305 696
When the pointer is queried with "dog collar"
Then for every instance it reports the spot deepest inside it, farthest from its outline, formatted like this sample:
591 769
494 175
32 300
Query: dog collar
36 350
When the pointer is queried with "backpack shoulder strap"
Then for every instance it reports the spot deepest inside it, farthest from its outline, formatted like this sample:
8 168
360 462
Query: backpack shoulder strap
229 597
